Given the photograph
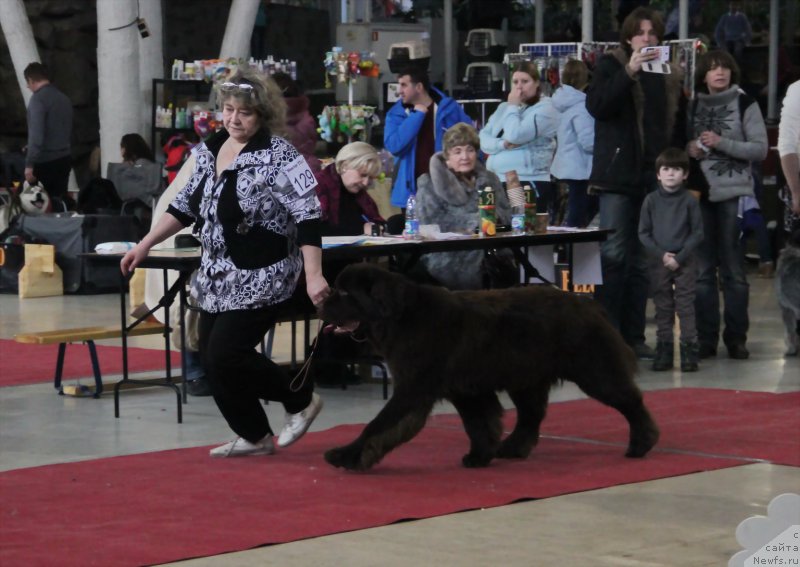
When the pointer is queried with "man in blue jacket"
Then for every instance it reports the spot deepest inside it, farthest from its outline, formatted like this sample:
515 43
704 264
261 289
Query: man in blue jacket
414 129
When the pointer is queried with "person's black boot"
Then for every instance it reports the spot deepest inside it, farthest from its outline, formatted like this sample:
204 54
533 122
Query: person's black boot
690 355
665 352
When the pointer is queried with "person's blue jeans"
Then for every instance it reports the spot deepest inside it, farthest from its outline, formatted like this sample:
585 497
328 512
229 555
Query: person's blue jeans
581 206
721 250
624 263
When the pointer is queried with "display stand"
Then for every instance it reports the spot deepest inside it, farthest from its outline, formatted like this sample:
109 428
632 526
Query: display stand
347 123
550 58
350 122
169 93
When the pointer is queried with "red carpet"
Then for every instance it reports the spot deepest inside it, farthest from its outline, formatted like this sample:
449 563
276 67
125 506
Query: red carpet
171 505
32 364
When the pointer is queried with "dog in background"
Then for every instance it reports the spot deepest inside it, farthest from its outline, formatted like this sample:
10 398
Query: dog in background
787 288
466 346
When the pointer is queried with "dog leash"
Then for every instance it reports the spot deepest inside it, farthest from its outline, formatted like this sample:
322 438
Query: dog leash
302 374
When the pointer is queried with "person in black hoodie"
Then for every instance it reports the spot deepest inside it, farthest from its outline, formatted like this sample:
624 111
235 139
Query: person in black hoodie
635 114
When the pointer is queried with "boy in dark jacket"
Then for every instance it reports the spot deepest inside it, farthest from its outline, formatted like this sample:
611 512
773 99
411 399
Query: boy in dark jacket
671 229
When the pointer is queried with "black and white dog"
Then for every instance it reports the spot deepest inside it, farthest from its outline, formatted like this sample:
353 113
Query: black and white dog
787 288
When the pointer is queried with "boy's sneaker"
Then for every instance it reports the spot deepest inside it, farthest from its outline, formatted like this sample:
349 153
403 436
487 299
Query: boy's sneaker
298 423
240 447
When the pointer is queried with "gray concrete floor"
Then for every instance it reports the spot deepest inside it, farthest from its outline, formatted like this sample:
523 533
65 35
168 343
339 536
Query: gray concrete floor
688 520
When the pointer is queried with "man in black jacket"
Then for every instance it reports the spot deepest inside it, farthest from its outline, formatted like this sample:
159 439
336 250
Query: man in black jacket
635 116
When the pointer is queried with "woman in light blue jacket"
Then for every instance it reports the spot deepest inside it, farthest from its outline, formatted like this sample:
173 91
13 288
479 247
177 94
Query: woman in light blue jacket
521 135
573 161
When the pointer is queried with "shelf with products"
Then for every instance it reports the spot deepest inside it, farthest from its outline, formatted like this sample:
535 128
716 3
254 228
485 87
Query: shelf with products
174 101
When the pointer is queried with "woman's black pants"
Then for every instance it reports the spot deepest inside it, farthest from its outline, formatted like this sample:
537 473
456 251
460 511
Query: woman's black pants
241 377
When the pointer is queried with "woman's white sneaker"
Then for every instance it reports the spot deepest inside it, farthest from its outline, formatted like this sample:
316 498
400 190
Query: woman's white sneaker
298 423
240 447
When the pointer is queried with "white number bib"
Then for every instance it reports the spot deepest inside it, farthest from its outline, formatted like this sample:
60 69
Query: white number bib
300 176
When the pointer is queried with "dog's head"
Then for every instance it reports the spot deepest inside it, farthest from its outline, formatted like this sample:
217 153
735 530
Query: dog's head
365 293
34 199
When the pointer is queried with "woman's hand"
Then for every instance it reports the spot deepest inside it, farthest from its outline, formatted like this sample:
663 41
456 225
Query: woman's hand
133 258
514 97
317 288
509 146
710 139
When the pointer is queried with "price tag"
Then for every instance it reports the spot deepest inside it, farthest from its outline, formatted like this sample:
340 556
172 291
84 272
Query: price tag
300 176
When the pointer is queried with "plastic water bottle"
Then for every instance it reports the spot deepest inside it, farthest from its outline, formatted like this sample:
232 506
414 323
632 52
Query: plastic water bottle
518 219
411 231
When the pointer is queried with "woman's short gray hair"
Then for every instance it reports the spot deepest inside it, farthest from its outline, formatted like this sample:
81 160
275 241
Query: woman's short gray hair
359 156
461 134
265 99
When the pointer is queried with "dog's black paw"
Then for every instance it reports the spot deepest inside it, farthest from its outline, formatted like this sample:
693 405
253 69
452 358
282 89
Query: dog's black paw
475 461
345 457
512 448
641 444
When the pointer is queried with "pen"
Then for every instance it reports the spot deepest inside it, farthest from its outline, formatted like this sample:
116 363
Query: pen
366 218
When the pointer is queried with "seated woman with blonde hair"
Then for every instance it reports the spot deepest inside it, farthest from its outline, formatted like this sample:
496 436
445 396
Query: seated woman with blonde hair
448 197
347 208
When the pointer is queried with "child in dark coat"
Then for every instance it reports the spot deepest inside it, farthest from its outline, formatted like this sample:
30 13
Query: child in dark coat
671 229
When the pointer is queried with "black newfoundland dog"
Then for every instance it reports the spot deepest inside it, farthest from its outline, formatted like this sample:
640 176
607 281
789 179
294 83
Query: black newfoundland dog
466 346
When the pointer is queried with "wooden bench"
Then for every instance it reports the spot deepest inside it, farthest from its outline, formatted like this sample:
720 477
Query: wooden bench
87 335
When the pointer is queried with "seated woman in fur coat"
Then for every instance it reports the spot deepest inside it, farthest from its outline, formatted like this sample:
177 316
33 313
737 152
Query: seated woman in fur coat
448 197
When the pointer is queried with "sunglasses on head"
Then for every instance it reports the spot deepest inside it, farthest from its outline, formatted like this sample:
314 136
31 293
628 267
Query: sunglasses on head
234 88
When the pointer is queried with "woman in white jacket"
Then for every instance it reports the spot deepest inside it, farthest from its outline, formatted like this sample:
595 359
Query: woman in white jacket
573 161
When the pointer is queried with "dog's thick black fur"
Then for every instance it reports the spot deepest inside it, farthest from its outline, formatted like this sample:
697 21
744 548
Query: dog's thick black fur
466 346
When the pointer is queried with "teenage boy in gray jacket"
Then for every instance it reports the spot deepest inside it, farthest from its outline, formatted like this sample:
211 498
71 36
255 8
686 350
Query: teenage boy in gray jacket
671 229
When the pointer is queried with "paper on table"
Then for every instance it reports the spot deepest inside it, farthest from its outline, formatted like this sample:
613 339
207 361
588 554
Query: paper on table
361 240
333 241
586 262
541 257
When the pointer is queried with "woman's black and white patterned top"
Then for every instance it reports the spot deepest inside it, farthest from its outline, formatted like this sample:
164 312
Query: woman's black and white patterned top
250 221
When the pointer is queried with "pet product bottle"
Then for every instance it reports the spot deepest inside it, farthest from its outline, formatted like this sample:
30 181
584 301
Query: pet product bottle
411 231
488 213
